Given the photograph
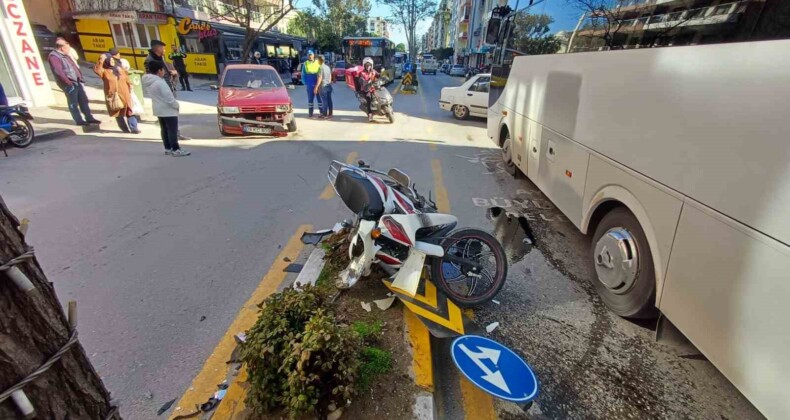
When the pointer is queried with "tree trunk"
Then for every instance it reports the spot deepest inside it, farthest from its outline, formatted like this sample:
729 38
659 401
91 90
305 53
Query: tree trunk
32 329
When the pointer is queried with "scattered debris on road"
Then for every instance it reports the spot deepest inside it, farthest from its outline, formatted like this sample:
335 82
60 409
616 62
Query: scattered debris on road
492 326
166 406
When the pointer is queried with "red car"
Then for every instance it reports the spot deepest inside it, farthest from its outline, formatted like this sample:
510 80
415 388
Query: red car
296 75
254 100
340 70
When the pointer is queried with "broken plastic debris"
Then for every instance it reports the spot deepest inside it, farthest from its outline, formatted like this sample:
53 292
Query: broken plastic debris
365 306
219 395
286 259
337 227
495 301
293 268
165 407
527 241
492 326
240 337
384 304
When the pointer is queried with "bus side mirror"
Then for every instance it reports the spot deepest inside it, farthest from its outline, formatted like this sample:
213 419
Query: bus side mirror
492 30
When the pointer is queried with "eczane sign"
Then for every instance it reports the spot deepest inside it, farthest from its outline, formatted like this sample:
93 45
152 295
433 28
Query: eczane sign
25 60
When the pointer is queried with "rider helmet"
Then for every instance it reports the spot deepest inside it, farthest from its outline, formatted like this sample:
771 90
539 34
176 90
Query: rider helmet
367 61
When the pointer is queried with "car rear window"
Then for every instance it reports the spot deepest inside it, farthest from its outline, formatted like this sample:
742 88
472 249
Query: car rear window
340 65
252 79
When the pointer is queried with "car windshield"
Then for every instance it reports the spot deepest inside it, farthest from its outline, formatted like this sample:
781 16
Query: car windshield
458 66
252 79
340 65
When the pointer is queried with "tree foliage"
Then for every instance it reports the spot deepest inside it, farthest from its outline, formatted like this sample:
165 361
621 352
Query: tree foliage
409 13
255 16
328 21
531 36
400 47
442 53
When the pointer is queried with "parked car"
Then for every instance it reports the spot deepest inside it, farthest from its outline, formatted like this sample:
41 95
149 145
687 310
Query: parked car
44 38
253 99
457 70
471 98
340 70
445 68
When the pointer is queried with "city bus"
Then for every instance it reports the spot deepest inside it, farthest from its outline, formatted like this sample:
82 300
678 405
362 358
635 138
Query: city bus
399 59
380 49
675 161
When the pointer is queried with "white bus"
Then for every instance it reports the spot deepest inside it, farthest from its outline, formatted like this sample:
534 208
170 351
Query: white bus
676 162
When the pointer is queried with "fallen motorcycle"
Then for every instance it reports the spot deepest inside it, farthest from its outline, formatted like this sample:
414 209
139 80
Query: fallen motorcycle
401 231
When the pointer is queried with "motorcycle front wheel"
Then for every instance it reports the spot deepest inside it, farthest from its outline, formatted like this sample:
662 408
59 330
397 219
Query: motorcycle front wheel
463 285
21 134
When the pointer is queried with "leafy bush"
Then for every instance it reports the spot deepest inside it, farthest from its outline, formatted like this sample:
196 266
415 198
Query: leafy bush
297 355
375 361
367 331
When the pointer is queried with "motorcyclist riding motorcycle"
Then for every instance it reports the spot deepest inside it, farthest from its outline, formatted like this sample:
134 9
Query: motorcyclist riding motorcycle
365 83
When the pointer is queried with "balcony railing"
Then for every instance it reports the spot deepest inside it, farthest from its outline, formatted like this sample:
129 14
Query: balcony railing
694 17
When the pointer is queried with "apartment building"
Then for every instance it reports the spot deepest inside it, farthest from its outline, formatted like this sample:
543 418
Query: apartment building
378 26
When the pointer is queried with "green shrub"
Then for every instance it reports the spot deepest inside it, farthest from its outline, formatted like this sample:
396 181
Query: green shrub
297 355
375 361
367 331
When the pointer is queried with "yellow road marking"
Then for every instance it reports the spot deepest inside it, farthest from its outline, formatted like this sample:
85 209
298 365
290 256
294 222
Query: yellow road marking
364 137
328 191
420 340
477 404
215 369
442 202
397 89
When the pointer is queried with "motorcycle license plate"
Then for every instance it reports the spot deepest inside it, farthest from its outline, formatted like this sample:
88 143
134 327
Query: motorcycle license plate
257 130
408 278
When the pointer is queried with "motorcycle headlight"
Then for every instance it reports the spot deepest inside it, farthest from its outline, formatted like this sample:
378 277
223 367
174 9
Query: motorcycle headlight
283 108
229 109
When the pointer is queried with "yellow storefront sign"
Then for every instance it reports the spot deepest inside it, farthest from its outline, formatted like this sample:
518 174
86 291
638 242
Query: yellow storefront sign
201 63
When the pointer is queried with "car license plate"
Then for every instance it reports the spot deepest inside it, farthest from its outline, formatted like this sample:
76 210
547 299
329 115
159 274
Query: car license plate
257 130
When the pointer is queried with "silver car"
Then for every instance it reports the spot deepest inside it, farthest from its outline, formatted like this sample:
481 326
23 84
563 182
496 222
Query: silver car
457 70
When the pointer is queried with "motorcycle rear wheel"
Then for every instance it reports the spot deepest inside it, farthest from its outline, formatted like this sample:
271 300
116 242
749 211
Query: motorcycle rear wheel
22 133
390 115
462 288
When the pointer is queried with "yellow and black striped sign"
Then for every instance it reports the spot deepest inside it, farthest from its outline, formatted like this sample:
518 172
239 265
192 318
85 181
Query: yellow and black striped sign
442 317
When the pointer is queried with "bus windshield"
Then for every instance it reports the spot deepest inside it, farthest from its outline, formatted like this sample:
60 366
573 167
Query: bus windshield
380 50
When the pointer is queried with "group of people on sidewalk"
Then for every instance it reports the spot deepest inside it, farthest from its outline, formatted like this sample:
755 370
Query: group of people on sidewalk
317 78
122 104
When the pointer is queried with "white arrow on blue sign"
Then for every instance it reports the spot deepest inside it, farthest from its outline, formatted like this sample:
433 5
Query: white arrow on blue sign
494 368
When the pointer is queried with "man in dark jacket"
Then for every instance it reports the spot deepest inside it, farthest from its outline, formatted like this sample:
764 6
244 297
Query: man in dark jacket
177 57
69 78
157 53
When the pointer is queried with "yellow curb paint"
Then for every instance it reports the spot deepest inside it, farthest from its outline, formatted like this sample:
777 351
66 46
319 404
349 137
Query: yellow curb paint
328 191
233 405
397 89
477 404
215 369
420 340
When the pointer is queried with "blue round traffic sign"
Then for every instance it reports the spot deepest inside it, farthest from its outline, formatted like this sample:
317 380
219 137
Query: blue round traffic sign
494 368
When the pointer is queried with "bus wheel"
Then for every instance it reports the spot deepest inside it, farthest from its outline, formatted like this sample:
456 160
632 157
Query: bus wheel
507 155
624 266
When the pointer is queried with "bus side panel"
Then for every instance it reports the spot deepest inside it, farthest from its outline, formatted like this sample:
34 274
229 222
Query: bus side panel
561 173
656 210
728 290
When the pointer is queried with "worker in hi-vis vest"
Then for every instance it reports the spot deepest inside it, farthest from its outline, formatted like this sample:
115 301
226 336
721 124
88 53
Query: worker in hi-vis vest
310 69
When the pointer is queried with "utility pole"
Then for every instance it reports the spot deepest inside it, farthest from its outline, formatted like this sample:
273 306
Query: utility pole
44 371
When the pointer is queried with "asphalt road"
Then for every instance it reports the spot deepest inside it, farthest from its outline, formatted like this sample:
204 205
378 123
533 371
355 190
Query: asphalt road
160 253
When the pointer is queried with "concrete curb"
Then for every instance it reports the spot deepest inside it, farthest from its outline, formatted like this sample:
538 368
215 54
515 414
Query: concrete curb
54 135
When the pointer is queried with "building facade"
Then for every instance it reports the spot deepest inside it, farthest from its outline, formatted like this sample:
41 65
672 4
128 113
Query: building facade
378 26
660 23
22 67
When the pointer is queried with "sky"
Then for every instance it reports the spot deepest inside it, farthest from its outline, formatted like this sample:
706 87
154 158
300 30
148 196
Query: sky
565 17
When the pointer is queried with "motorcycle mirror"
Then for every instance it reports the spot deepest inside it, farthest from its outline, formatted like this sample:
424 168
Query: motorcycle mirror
361 164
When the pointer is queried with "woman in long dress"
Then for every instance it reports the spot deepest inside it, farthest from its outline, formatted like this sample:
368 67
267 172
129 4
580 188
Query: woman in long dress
117 91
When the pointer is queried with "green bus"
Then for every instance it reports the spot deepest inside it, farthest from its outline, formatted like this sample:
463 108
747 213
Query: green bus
380 49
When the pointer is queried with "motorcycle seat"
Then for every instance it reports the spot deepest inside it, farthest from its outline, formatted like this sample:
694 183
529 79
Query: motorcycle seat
359 194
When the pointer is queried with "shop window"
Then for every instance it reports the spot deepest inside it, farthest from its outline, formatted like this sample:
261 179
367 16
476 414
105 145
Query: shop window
145 34
134 35
120 35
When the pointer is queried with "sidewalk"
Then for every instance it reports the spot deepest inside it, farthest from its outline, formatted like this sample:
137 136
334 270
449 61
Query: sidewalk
55 121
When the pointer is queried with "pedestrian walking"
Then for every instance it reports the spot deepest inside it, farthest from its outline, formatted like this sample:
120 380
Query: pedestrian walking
165 107
324 88
69 78
177 57
157 54
137 106
310 69
256 58
117 90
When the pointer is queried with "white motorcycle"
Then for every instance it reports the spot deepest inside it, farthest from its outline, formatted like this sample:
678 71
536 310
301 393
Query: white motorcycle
401 231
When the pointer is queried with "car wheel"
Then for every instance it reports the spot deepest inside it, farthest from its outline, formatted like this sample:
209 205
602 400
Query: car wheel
625 277
220 127
460 112
507 155
292 126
